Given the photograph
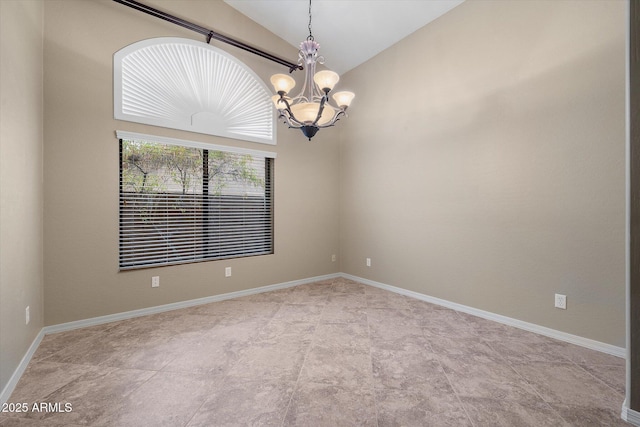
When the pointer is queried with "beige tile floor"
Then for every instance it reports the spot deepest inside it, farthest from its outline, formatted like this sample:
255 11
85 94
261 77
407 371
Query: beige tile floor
332 353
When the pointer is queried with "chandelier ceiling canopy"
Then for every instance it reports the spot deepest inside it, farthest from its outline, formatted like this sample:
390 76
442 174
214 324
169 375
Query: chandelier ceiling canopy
310 110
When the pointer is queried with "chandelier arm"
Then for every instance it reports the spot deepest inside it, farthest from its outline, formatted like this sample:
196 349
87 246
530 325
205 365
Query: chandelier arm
290 117
296 123
334 120
320 109
293 124
288 122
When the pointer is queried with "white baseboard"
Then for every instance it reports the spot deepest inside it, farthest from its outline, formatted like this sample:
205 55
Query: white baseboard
13 381
22 366
632 416
629 415
531 327
178 305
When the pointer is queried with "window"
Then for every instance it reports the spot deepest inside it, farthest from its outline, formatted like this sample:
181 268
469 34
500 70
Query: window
184 202
186 84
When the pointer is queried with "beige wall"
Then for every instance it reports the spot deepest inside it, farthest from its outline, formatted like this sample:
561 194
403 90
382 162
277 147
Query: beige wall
21 283
483 163
81 168
498 181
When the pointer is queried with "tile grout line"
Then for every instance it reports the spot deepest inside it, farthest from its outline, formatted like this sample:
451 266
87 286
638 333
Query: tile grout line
373 389
508 363
295 386
464 408
601 381
64 348
226 374
548 404
192 372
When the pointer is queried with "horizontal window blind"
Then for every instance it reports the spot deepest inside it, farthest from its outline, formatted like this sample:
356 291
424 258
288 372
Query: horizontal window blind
181 204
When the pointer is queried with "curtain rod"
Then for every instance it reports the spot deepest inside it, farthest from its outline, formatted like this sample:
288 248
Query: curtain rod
210 34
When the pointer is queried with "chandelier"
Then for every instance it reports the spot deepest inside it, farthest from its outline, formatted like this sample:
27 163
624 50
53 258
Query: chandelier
310 110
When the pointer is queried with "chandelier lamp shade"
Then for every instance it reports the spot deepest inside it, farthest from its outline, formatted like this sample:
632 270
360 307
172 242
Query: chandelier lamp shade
311 109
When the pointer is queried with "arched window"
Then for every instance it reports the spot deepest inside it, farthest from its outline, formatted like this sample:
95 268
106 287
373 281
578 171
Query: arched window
189 85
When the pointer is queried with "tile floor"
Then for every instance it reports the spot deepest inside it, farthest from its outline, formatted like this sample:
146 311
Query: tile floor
332 353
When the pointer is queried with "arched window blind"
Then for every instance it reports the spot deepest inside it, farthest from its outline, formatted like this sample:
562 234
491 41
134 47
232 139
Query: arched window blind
189 85
183 201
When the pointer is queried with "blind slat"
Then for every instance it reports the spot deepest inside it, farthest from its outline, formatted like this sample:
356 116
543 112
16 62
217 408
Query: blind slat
167 217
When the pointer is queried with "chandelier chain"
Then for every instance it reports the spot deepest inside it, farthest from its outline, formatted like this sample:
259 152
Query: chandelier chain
310 35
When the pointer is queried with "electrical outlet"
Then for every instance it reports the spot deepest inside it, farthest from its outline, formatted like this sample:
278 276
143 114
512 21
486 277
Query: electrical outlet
561 301
227 272
28 319
333 258
155 281
368 262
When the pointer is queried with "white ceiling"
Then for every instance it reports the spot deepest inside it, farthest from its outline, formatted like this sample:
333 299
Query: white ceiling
349 31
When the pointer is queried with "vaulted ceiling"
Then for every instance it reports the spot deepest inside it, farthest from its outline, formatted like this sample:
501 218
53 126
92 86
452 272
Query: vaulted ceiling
349 31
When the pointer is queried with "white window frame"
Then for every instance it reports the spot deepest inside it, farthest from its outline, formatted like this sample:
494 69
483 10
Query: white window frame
242 227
